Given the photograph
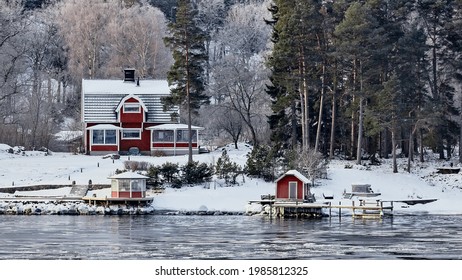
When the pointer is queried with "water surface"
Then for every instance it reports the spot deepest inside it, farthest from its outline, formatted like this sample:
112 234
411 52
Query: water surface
229 237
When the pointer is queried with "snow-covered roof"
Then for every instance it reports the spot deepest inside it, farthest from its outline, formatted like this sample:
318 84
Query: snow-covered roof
128 175
101 98
296 174
151 87
174 127
104 126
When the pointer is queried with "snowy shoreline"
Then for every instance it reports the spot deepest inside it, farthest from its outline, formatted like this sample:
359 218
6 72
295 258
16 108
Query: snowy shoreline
36 168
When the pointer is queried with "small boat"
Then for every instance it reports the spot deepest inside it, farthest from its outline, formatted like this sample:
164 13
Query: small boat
417 201
362 190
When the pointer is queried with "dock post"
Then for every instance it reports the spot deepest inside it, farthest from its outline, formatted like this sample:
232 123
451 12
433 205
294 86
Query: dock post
271 211
330 209
340 210
353 208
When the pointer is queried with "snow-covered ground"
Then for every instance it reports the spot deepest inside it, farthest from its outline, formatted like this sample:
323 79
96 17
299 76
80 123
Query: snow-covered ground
33 167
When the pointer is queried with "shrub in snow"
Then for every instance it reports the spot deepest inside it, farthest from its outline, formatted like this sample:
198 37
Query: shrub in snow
226 169
154 176
136 165
261 163
195 173
170 172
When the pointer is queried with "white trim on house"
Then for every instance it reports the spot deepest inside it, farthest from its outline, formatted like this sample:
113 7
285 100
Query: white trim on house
124 100
132 108
131 138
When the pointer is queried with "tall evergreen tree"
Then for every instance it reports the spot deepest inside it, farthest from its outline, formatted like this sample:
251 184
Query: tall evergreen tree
187 74
358 43
294 63
434 17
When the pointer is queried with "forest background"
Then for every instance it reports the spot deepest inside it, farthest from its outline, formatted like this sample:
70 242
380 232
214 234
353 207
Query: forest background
295 78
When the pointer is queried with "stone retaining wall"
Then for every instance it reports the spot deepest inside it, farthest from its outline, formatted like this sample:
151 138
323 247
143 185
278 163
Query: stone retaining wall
48 187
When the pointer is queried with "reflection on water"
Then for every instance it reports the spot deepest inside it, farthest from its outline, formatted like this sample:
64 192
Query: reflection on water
229 237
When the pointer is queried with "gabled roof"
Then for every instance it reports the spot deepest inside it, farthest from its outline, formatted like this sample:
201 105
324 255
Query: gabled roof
101 98
122 102
297 174
128 175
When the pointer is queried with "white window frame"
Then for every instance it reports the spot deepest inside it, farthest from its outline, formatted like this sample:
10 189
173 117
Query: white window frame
131 106
165 138
104 138
131 138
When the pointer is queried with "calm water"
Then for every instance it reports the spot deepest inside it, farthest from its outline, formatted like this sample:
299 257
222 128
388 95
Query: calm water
228 237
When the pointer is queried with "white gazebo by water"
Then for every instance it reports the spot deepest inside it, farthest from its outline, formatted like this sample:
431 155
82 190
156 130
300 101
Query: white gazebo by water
128 185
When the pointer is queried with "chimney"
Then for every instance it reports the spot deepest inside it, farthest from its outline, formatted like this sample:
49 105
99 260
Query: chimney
129 75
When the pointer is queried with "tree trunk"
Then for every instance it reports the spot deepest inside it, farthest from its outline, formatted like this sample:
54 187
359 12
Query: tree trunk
410 158
305 109
393 141
361 117
353 130
421 148
188 95
321 106
294 125
360 130
332 128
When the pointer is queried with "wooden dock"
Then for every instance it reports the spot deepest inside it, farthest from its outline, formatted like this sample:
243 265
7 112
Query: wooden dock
106 201
364 209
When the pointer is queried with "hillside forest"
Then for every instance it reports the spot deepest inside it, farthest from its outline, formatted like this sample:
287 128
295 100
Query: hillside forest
359 80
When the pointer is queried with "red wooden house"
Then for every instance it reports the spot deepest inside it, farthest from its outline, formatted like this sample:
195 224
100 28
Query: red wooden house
293 186
127 116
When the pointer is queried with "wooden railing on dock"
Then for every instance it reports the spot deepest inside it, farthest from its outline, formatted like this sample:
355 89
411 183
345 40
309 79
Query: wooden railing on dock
363 209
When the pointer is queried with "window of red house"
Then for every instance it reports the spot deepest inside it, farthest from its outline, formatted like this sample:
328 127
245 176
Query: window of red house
104 137
132 108
183 136
131 134
163 135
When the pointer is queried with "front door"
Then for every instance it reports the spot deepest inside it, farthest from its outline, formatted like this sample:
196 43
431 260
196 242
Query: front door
292 190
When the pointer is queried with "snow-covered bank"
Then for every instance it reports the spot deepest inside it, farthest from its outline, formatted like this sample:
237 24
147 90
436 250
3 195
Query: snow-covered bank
62 168
69 208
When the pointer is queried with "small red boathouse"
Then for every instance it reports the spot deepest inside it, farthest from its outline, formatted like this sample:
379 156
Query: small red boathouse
292 186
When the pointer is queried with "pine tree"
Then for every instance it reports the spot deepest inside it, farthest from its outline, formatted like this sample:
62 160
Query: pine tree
434 17
186 76
359 44
294 63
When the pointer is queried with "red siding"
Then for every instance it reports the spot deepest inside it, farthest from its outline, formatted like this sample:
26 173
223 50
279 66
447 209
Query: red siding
131 117
143 144
282 187
171 145
104 148
124 194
